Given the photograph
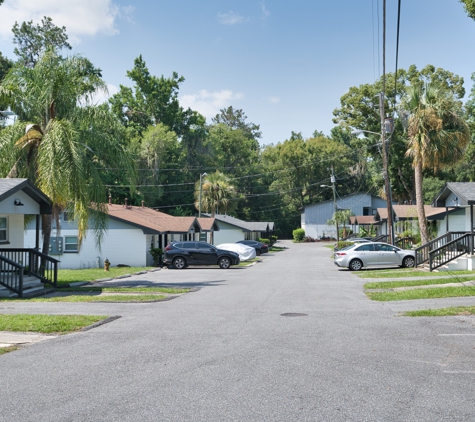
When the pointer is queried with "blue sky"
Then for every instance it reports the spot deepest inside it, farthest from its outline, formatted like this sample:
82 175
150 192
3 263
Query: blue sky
286 64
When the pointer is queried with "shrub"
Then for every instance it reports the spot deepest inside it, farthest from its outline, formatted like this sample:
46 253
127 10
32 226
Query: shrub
156 255
264 240
273 239
309 239
298 234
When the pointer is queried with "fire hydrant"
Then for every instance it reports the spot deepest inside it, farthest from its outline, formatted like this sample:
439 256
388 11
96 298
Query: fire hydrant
106 264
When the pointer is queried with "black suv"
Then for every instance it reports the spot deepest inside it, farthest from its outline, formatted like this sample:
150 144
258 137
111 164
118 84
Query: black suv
258 246
181 254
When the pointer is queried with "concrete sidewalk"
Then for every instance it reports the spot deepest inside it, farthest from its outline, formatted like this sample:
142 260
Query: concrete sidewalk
8 338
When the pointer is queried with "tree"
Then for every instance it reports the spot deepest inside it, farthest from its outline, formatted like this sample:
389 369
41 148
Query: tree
359 109
469 6
5 66
58 145
32 40
217 194
152 100
437 136
236 119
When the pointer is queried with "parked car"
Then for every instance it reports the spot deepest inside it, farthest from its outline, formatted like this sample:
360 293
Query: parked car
370 254
246 253
258 246
181 254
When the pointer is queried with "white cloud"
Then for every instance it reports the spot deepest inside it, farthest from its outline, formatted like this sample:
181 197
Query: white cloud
274 100
230 18
80 17
265 11
209 103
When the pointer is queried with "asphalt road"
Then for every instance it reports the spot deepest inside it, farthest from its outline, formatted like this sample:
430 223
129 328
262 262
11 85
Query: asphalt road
226 353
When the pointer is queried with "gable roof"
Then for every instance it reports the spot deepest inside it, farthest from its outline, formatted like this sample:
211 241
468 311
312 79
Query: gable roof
9 186
153 222
463 191
253 226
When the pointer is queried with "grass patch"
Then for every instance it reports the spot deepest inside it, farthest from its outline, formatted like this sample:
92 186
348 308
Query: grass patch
407 272
459 310
409 283
277 249
91 274
47 324
102 298
436 293
248 263
8 349
151 290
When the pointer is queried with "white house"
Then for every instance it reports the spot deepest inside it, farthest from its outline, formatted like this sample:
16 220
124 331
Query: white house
131 232
232 229
22 267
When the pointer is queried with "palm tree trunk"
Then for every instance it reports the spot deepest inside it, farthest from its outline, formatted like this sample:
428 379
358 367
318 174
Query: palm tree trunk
420 203
46 228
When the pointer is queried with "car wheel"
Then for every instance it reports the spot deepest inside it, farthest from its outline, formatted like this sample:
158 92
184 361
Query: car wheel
179 263
258 252
355 265
224 262
408 261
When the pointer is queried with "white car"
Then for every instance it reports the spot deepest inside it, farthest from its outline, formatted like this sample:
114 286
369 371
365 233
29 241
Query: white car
245 252
372 254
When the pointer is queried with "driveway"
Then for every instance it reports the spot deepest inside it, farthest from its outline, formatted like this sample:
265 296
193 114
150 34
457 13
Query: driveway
226 353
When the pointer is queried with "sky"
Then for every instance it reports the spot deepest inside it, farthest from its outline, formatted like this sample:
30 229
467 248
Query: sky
284 63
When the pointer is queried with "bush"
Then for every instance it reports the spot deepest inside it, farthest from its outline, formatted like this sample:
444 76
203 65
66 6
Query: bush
264 240
273 239
298 234
309 239
156 255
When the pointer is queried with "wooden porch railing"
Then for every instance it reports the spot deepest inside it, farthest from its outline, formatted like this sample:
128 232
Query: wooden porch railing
11 275
422 252
31 262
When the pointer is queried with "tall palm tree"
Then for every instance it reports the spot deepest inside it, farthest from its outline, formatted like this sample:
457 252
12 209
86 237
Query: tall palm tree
437 134
61 141
217 194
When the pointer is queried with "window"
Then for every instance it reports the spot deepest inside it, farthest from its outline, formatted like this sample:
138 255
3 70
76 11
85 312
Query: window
3 229
70 244
365 247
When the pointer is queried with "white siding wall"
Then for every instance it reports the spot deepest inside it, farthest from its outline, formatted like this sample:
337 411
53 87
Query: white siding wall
227 234
16 231
125 246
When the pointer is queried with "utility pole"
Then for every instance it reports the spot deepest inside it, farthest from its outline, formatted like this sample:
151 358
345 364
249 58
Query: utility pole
335 206
387 184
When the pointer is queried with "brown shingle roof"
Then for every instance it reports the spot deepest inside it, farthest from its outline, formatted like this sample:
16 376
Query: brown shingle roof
365 219
404 212
155 221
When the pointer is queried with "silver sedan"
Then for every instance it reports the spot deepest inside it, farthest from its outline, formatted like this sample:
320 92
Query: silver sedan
372 254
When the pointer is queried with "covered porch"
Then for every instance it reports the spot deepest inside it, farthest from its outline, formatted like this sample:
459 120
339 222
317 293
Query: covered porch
23 271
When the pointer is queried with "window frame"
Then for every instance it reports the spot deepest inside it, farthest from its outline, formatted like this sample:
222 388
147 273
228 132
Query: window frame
66 244
5 229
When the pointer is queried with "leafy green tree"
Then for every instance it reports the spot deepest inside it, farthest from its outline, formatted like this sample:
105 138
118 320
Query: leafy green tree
151 101
359 109
58 145
236 119
469 6
438 136
5 66
33 40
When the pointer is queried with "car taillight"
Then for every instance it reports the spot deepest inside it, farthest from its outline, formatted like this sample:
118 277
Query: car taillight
168 248
265 246
340 253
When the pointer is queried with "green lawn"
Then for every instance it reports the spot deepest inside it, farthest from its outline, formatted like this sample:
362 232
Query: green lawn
409 283
47 324
99 298
435 293
459 310
91 274
407 272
